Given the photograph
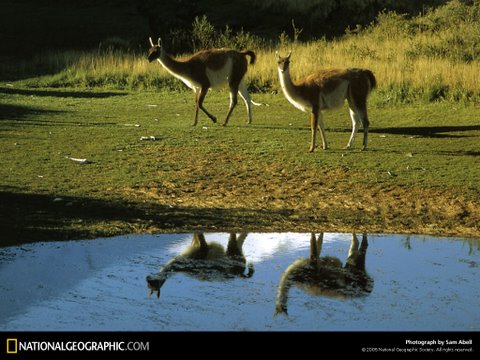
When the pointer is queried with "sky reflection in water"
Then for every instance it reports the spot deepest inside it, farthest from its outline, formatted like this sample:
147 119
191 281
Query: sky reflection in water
416 283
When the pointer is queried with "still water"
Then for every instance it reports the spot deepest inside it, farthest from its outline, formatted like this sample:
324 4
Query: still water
255 281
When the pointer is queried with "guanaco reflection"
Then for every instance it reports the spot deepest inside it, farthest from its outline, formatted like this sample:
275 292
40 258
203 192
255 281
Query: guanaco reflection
326 276
206 261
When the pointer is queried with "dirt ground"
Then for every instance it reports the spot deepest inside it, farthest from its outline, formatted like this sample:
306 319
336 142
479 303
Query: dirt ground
293 202
282 202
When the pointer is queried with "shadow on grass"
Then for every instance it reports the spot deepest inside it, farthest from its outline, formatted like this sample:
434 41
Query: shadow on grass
428 131
20 112
65 94
461 153
422 131
28 218
13 115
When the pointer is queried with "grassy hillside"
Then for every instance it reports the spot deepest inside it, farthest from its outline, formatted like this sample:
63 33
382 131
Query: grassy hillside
28 27
432 57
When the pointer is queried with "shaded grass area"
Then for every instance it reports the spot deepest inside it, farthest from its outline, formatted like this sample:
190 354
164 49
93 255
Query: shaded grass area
420 173
430 131
33 217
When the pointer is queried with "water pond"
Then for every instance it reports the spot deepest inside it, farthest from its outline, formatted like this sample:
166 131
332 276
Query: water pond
238 282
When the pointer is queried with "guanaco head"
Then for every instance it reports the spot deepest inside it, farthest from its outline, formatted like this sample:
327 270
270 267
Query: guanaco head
155 51
283 62
155 282
281 309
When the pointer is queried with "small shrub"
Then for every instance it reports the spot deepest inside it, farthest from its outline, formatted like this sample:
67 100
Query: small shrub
203 34
390 25
360 52
402 93
437 91
256 85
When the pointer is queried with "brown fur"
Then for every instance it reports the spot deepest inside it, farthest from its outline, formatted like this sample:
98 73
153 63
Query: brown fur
195 69
206 261
326 81
325 276
315 90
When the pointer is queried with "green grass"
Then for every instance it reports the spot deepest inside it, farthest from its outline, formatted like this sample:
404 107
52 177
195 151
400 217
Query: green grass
432 143
420 173
209 176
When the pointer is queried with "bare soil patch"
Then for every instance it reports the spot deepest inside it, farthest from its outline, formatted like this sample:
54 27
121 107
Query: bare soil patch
292 201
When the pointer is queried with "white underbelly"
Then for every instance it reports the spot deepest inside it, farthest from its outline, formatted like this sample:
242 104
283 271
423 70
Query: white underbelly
189 83
300 104
334 99
220 77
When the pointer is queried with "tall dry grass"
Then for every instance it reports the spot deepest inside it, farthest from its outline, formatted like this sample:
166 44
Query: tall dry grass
420 58
395 70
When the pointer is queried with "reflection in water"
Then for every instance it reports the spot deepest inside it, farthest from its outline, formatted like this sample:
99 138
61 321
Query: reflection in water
206 261
325 276
423 284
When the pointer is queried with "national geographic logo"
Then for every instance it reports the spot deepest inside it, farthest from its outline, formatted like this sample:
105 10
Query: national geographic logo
12 346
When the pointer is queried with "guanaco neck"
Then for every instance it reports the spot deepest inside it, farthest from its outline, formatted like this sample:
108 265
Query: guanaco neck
291 90
286 82
286 282
172 266
174 67
282 293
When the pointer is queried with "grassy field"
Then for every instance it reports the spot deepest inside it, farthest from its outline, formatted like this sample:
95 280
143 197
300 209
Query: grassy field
419 175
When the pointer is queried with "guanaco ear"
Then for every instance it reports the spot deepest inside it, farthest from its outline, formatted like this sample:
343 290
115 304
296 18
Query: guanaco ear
159 42
151 41
289 54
